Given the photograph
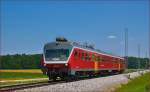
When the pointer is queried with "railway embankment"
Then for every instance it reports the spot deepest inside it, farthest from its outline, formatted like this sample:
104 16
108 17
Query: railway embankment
139 84
102 84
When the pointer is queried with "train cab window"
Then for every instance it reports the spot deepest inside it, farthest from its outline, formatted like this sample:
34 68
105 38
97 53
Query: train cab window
56 54
82 57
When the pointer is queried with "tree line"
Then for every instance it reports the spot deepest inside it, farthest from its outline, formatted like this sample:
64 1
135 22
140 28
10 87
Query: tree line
138 63
24 61
20 61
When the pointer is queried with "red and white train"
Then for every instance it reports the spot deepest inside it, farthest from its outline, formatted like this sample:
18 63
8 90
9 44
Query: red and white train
66 59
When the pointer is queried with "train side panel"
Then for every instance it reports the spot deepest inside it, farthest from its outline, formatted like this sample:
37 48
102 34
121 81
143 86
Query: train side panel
83 60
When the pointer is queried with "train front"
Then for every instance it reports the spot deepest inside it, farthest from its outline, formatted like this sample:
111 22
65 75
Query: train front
55 58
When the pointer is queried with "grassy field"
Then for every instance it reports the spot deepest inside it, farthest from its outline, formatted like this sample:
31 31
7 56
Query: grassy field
21 74
23 70
140 84
9 77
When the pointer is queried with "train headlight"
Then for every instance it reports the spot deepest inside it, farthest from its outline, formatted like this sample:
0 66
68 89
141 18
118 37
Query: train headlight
66 64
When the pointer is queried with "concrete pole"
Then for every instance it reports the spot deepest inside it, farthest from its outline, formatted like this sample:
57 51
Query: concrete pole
139 52
149 34
126 47
149 43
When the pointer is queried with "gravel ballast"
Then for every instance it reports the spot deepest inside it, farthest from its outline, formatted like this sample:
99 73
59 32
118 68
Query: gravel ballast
102 84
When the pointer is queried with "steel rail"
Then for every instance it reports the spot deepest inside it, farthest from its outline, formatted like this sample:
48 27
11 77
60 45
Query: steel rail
28 85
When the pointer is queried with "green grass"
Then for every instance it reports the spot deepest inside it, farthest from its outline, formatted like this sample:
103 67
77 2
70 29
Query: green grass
139 84
20 75
5 84
9 76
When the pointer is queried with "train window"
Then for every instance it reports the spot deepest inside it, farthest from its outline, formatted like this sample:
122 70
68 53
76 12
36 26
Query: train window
117 59
79 54
116 62
56 54
122 61
86 57
95 58
114 59
108 59
75 53
82 56
89 57
92 57
104 59
98 58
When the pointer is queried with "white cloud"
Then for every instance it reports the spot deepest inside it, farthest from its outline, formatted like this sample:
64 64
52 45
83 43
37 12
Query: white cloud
111 37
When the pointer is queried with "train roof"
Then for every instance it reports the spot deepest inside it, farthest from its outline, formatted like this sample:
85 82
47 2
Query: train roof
83 46
89 47
86 46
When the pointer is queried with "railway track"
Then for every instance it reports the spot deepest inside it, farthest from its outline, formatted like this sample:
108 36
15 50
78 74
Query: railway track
32 85
38 84
29 85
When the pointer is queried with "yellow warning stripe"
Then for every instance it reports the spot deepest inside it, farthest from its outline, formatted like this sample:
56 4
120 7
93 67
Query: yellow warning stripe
96 66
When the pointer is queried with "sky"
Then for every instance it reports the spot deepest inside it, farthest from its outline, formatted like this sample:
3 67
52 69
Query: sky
27 25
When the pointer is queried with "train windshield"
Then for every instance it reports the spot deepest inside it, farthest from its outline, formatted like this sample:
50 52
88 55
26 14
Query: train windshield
57 54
